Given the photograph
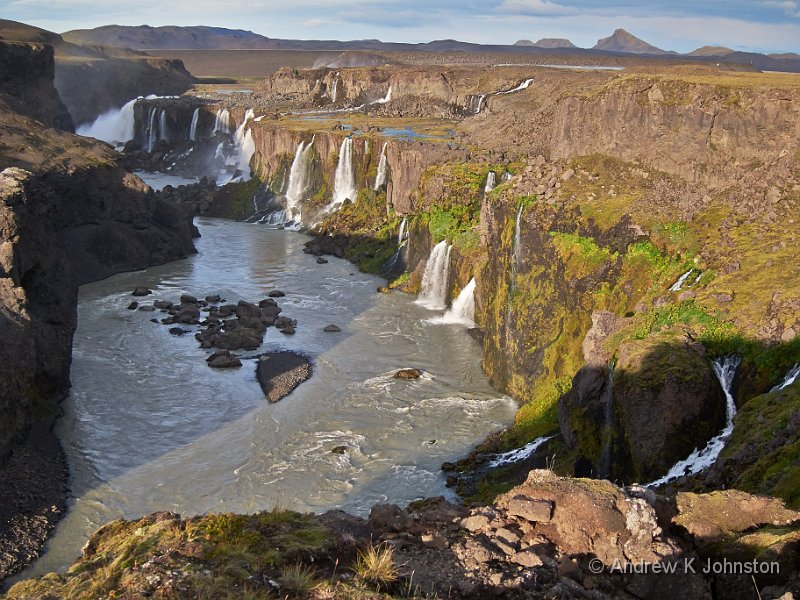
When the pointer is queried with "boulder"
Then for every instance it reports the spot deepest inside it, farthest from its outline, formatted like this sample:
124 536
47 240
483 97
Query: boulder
279 373
223 359
141 291
213 299
276 294
332 329
187 299
133 305
408 374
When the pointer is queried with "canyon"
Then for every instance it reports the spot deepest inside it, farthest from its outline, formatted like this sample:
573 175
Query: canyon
621 244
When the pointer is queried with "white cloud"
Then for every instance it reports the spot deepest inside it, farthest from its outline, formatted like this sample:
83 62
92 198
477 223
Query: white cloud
534 7
788 6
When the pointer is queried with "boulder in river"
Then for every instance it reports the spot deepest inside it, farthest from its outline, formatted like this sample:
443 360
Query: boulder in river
276 294
213 299
322 261
133 305
163 304
332 329
223 359
408 374
141 291
279 373
187 299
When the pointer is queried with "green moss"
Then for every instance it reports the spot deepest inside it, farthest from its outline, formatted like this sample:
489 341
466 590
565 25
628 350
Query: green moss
582 255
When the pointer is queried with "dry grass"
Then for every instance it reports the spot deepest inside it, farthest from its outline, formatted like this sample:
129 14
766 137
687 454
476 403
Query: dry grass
375 565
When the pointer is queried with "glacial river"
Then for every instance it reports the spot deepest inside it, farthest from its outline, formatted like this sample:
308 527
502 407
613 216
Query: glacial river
149 427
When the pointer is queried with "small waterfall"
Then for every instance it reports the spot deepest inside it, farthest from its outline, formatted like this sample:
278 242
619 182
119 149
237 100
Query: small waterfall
117 126
491 182
604 462
298 181
335 88
344 184
462 312
243 138
516 244
700 460
790 378
386 99
475 103
520 454
402 239
152 129
678 285
522 86
193 126
436 278
222 121
380 180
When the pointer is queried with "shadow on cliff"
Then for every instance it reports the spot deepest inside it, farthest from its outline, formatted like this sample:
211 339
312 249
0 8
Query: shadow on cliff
632 420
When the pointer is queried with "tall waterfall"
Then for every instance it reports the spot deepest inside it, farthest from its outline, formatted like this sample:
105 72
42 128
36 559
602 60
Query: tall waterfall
380 180
243 138
436 279
152 129
193 126
700 460
222 121
491 182
335 88
298 181
462 312
162 125
516 244
116 126
604 462
344 183
790 378
386 99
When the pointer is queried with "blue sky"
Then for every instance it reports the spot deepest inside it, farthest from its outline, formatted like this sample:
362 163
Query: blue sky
682 25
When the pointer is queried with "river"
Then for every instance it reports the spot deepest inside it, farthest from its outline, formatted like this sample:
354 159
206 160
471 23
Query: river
148 426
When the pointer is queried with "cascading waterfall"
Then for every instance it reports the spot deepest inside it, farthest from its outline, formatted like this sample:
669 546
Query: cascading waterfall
344 184
491 182
522 86
116 126
222 121
335 88
678 285
462 312
402 239
386 99
380 180
516 244
243 138
790 378
700 460
193 126
436 278
298 181
604 463
520 454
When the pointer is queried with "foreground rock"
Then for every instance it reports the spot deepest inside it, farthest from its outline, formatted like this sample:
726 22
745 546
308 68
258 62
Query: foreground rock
551 537
279 373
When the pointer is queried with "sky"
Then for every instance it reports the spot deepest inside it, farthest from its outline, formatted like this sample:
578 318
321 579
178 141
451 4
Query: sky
681 25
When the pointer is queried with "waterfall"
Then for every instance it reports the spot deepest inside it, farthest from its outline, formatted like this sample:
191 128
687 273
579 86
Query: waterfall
380 180
386 99
676 287
298 181
700 460
152 129
335 88
402 239
604 462
790 378
462 312
476 103
522 86
516 245
193 126
436 278
243 138
222 121
520 454
491 182
116 126
344 184
162 124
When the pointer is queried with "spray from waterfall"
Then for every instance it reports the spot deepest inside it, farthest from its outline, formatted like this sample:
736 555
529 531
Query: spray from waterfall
701 459
604 462
117 126
380 180
193 126
790 378
436 278
462 312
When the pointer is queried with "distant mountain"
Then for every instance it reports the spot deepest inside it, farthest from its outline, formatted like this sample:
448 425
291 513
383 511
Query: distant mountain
786 56
711 51
622 41
170 38
547 43
13 31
